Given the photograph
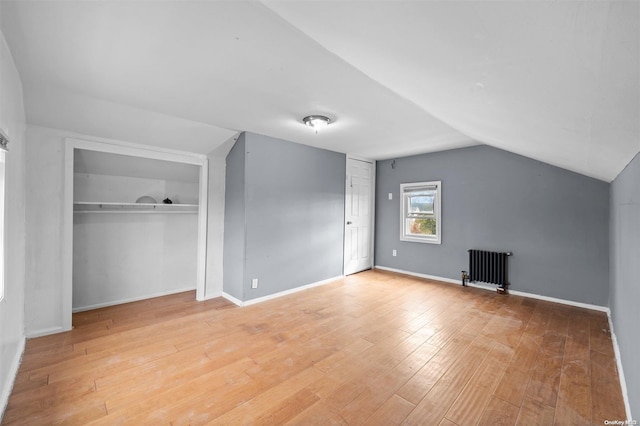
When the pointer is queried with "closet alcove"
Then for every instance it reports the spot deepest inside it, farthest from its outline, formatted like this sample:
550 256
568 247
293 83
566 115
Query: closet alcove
122 248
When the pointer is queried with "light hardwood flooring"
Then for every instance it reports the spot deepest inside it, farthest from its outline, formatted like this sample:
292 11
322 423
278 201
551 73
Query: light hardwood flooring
374 348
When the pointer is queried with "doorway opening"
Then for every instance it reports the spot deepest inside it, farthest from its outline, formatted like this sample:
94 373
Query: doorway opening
134 224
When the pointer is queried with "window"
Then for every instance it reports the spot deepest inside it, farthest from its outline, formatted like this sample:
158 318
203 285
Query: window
420 212
3 147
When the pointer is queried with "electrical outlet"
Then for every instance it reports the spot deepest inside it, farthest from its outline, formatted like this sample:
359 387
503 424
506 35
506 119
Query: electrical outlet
254 283
391 195
395 253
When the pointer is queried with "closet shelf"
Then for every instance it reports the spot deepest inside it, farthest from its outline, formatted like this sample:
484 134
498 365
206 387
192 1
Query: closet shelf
99 207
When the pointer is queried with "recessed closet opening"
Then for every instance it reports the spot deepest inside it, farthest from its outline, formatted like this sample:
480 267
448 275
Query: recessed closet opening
135 224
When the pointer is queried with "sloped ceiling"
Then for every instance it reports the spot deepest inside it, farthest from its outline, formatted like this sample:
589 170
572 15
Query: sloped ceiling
554 81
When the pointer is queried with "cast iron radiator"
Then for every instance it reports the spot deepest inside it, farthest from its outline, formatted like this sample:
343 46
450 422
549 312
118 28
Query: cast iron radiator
488 267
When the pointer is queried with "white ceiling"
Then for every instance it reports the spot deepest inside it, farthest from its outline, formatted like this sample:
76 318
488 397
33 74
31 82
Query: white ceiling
555 81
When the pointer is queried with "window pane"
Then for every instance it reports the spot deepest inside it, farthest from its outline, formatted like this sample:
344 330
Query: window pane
420 205
2 203
421 226
421 202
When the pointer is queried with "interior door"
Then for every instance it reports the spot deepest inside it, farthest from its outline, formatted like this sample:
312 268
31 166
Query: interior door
358 235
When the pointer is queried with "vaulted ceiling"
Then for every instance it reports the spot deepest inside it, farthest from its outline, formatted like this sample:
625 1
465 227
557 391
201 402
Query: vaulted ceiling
555 81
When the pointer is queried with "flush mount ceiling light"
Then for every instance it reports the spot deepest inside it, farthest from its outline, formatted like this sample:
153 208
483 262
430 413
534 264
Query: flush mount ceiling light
316 122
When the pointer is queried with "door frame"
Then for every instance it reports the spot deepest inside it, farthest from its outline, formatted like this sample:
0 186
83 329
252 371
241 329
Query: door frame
372 209
134 150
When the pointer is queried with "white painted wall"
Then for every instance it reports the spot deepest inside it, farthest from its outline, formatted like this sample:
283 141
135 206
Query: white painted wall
44 208
119 257
215 226
122 189
215 220
12 122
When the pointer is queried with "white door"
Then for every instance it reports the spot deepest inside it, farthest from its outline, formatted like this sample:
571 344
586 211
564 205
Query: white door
358 216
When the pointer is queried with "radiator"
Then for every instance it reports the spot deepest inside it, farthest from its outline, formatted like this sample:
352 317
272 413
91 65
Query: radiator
488 267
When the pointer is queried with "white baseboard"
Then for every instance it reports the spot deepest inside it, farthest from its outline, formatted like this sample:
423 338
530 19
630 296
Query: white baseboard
623 382
416 274
132 299
45 332
213 295
562 301
232 299
493 288
11 378
279 294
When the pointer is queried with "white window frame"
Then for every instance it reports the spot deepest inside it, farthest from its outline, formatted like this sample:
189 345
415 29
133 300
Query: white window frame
405 189
3 236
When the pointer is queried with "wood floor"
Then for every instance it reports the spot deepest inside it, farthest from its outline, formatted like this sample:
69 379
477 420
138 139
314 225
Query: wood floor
374 348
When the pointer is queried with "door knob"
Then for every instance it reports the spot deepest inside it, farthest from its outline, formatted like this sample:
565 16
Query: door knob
349 223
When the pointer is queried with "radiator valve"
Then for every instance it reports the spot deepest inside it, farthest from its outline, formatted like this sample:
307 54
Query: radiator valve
465 278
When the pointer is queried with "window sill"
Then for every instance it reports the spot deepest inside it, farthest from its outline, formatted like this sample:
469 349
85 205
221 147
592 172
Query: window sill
421 240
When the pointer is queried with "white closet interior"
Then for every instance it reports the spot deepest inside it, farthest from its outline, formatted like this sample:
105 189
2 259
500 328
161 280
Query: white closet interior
124 250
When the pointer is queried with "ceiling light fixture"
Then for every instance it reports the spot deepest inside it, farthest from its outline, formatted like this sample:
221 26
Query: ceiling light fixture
316 122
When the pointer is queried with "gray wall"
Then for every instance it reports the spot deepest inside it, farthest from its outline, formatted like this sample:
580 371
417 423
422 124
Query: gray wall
554 221
234 221
624 293
294 214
